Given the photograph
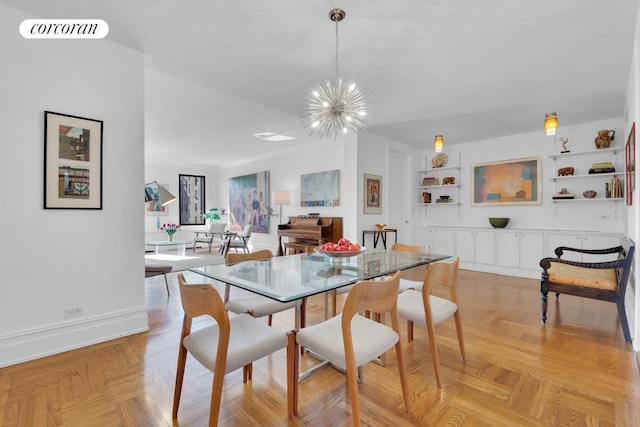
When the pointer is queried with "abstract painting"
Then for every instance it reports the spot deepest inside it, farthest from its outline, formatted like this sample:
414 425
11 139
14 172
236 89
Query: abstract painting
320 189
508 182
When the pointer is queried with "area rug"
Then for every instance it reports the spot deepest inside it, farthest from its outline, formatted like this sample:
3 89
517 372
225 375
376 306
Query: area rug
179 263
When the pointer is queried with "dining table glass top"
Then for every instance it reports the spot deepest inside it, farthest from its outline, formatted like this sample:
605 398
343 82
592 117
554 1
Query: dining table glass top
292 277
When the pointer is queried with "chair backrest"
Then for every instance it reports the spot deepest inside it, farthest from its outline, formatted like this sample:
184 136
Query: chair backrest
217 227
234 258
441 274
409 248
246 231
376 296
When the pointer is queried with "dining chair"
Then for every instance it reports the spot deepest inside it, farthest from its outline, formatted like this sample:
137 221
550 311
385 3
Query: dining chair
309 249
362 339
407 281
240 240
209 237
426 309
257 305
227 345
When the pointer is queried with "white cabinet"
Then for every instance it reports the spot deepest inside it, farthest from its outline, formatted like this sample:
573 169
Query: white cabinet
582 241
580 180
520 249
475 246
440 240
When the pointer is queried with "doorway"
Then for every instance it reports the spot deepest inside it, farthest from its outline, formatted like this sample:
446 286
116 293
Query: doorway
397 197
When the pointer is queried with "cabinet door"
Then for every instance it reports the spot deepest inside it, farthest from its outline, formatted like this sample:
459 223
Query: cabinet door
599 241
421 237
484 247
531 250
508 249
465 245
564 239
441 241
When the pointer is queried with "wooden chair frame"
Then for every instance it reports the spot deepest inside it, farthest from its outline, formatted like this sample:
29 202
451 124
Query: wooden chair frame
622 266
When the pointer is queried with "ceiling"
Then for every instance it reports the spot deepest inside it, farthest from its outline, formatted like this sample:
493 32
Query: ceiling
470 70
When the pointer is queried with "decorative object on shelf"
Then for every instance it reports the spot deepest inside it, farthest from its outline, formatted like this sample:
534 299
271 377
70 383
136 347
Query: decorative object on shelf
498 222
566 171
72 162
564 142
444 199
380 227
335 106
158 223
372 194
281 198
564 194
439 160
508 182
630 164
170 229
449 180
604 138
430 180
550 123
438 143
426 197
589 194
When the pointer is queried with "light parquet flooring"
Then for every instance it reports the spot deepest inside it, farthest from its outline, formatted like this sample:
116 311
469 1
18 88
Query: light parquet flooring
576 371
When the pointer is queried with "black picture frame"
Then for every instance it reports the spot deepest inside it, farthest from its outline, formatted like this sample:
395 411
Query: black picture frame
191 195
72 162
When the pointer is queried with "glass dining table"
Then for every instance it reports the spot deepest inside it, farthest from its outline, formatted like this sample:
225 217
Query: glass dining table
295 277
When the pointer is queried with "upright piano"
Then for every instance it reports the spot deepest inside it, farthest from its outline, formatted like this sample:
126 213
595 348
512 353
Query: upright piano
310 230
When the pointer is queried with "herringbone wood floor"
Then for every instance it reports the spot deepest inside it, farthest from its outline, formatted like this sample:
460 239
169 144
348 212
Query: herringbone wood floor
576 371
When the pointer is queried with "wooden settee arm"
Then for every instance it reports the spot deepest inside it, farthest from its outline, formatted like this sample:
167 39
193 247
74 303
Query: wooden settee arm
617 249
545 263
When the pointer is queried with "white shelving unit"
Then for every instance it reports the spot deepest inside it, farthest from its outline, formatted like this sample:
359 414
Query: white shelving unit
451 190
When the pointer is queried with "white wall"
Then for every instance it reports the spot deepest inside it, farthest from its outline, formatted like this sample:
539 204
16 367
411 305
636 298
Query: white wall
58 259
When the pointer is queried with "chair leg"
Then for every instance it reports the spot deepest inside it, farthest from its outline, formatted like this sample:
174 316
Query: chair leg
270 319
544 297
456 316
409 330
352 381
293 361
622 313
166 282
402 369
247 373
182 360
434 352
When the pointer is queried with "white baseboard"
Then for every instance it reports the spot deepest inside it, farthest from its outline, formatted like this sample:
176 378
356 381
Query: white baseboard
33 344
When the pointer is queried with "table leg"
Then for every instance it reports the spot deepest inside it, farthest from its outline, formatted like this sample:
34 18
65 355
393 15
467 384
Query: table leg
182 249
157 251
376 236
384 239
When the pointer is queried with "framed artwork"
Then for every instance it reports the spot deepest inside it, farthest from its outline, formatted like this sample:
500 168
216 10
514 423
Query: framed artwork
72 162
630 164
191 197
249 197
153 207
372 194
508 182
320 189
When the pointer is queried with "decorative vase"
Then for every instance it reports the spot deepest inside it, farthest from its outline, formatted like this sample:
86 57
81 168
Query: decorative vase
158 224
170 237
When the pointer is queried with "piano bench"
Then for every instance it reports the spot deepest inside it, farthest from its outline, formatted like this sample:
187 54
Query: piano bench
294 248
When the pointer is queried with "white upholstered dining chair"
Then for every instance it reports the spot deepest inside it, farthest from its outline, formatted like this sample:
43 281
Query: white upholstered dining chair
350 340
229 344
426 309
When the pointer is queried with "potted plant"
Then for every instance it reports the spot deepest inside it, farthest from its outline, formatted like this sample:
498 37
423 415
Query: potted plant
212 214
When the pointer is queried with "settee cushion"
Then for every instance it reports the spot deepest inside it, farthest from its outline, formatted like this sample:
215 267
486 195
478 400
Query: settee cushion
599 278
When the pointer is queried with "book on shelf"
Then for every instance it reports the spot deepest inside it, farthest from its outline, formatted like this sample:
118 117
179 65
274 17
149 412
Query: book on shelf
613 189
601 165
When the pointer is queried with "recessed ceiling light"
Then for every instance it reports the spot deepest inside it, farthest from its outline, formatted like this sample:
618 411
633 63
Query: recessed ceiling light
270 136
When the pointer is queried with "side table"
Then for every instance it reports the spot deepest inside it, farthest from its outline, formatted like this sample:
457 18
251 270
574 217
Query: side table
380 235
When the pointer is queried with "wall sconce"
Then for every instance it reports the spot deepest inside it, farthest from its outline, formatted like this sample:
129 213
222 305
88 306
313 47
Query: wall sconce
438 143
156 192
281 198
550 123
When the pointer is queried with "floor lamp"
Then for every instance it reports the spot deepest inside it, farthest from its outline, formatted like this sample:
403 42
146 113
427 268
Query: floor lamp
281 198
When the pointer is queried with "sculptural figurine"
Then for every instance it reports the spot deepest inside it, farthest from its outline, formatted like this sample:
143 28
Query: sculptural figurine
564 145
604 138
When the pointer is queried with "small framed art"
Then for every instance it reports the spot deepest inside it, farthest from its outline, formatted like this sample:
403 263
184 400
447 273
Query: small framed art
372 194
72 162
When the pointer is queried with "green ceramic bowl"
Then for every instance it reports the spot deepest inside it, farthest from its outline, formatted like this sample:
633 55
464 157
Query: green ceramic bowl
498 222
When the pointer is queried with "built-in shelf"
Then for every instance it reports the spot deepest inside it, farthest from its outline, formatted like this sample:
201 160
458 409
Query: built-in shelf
598 199
589 152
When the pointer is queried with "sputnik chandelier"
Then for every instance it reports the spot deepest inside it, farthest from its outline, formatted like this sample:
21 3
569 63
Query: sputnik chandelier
334 107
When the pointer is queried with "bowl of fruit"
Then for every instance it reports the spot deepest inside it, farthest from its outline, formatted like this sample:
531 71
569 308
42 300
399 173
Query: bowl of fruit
341 250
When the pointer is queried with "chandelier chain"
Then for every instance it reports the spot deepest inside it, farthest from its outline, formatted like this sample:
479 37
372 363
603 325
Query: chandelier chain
337 49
